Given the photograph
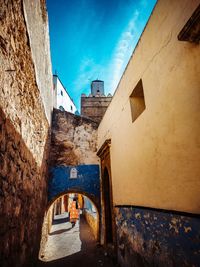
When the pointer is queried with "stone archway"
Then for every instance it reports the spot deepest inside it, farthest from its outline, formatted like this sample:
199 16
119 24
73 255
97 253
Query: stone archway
90 197
49 215
83 179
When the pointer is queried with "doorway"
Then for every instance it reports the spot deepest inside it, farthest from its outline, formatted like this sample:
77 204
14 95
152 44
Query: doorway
107 206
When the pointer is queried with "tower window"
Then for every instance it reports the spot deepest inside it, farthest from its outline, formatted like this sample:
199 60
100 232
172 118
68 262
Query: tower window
61 93
137 101
61 108
71 108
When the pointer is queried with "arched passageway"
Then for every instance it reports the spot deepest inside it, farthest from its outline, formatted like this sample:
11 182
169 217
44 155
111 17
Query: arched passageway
72 246
83 179
59 223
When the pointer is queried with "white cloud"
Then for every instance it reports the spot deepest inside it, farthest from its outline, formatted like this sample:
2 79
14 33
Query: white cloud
123 51
88 71
111 74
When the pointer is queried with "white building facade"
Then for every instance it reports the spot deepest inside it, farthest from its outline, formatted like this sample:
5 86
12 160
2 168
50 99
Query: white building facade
62 99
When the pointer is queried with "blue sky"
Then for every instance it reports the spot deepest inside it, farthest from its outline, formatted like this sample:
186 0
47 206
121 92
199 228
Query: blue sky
93 39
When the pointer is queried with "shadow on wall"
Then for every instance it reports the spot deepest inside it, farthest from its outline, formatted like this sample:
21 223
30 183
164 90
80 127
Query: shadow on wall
23 197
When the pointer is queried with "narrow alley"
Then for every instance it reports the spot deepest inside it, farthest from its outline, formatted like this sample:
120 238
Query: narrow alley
74 247
99 133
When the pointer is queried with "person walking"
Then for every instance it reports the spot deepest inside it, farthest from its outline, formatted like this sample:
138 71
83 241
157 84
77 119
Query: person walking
73 212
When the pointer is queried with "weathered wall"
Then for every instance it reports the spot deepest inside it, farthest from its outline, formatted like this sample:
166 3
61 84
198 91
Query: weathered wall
46 228
74 140
155 159
86 183
148 237
92 221
94 107
22 197
74 146
24 133
38 34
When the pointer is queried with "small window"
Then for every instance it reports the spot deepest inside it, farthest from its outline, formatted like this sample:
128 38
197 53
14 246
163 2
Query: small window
61 93
137 101
191 30
61 108
71 108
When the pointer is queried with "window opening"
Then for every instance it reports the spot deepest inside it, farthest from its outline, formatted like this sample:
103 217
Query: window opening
61 108
137 101
191 30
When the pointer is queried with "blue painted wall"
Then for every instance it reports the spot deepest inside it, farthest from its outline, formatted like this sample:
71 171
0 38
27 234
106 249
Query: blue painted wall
148 237
87 181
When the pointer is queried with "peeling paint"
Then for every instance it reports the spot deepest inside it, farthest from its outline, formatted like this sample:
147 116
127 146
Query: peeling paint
187 229
157 238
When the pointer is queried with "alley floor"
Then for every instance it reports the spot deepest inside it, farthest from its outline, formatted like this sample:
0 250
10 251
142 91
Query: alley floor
73 247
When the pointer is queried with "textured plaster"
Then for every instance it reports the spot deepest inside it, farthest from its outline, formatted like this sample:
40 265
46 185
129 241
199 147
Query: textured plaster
38 33
155 159
155 238
24 136
74 140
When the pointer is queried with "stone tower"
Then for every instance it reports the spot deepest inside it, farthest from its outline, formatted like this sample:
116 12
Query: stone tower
94 106
97 88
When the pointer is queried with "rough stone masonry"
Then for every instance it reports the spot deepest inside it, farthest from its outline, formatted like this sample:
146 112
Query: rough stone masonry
24 130
73 145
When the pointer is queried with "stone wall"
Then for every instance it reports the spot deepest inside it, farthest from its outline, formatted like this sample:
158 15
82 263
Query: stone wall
24 138
38 33
20 97
94 107
22 198
74 140
87 182
46 228
73 147
148 237
92 221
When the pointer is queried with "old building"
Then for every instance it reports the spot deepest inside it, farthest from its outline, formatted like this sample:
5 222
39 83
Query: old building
145 199
26 104
94 106
62 99
150 152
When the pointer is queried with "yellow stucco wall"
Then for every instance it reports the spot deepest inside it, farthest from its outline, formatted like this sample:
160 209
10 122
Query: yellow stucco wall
155 160
92 220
